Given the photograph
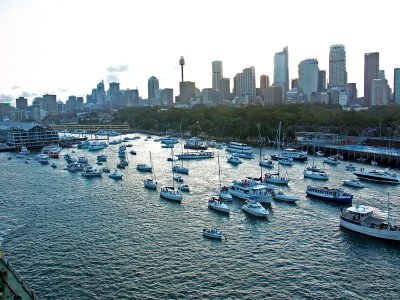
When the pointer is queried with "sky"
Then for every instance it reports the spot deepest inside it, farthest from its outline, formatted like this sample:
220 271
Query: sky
65 47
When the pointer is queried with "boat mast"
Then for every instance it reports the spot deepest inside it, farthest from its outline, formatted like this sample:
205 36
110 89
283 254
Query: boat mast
219 173
172 164
259 136
388 217
152 168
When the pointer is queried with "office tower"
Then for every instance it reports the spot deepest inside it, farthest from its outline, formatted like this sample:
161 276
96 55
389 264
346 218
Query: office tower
167 97
71 103
337 67
114 94
371 72
322 81
264 81
308 77
281 70
294 83
79 103
396 86
187 91
379 92
209 96
216 75
152 86
36 110
132 97
245 84
21 103
50 103
273 95
352 92
100 93
60 106
225 92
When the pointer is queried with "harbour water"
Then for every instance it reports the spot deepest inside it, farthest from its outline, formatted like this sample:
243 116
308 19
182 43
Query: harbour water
71 237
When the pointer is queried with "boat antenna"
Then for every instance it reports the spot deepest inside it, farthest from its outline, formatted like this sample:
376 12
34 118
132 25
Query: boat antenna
388 194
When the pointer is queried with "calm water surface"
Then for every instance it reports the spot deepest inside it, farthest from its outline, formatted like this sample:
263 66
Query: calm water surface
95 238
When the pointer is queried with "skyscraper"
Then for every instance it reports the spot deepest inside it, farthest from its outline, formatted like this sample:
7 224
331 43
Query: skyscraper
225 92
371 72
264 81
245 84
152 86
322 81
352 92
21 103
216 75
114 94
281 70
308 77
396 86
337 67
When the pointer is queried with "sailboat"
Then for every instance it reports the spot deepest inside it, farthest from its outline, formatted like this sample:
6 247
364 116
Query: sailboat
276 178
151 183
180 168
223 190
170 192
315 172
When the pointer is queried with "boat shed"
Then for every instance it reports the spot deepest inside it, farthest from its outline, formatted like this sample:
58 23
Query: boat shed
30 135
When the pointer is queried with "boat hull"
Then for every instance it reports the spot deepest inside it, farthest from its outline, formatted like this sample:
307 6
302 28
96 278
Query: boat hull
374 232
340 199
171 196
260 198
255 213
376 179
219 208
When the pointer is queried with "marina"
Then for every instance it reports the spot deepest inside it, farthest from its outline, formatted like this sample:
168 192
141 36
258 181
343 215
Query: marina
50 232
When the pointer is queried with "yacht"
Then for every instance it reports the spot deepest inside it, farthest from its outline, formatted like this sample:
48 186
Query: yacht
235 147
180 169
250 189
332 160
275 178
319 153
383 176
178 178
101 157
234 160
282 196
286 161
195 155
354 183
144 167
115 175
315 175
23 153
195 143
170 193
89 171
267 163
330 194
150 183
168 140
224 194
246 155
350 167
213 233
217 204
254 208
361 219
295 154
184 188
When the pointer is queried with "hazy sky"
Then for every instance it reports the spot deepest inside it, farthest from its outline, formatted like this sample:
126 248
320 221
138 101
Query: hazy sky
67 46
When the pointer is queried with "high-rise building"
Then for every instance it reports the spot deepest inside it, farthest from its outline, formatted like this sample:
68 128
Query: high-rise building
245 84
281 70
50 103
308 77
379 92
115 94
396 86
264 81
371 72
152 86
21 103
337 67
132 97
79 103
352 92
71 103
100 93
294 83
167 97
216 75
322 81
187 91
225 92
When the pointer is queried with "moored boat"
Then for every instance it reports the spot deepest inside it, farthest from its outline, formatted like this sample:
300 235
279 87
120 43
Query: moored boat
282 196
383 176
254 208
354 183
330 194
250 189
216 204
213 233
115 175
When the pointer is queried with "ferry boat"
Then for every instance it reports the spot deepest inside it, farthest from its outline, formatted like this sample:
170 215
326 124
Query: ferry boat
383 176
250 189
361 218
295 154
195 155
330 194
239 148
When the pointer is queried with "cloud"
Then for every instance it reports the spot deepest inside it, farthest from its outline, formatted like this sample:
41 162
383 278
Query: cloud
28 94
62 90
112 78
118 69
6 98
15 87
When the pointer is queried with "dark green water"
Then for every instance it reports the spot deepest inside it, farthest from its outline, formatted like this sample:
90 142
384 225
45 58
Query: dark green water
77 238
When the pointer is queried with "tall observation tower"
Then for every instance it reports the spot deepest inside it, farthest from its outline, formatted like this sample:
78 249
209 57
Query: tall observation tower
182 63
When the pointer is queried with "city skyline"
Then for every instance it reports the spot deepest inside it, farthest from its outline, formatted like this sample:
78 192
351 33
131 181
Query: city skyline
66 48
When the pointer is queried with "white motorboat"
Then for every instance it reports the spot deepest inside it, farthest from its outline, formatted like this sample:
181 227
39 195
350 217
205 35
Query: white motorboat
101 157
378 176
236 147
255 208
105 170
295 154
184 188
267 163
53 165
151 183
320 153
361 219
180 169
282 196
217 204
115 175
285 161
178 178
224 194
170 193
332 160
144 167
250 189
89 171
315 175
234 160
213 233
350 167
330 194
246 155
354 183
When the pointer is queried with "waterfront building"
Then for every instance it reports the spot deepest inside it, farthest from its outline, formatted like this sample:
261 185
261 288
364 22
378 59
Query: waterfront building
281 69
29 135
396 86
337 67
308 77
245 84
21 103
152 86
217 75
371 71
